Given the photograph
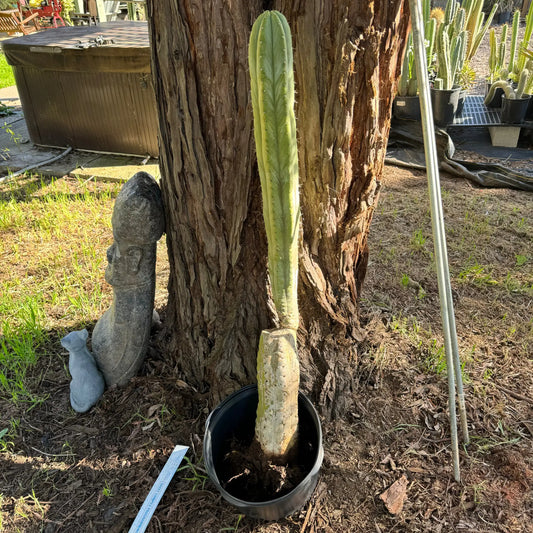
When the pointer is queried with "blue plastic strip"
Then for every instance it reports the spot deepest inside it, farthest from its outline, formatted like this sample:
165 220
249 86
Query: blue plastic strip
156 493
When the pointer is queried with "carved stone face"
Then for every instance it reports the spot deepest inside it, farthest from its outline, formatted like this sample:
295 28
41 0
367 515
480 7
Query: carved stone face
123 269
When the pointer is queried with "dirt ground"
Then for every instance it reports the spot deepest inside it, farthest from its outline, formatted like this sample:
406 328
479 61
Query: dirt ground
65 472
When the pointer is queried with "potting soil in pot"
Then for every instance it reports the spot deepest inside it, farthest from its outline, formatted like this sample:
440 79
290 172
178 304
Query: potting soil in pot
247 474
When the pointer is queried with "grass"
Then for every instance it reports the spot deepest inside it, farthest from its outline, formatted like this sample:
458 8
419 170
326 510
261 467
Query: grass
7 79
51 270
489 251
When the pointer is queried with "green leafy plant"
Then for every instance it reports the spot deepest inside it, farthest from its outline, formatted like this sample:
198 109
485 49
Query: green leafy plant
195 474
107 492
272 88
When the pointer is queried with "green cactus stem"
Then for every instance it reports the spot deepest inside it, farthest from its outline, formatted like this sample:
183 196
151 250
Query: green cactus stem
430 32
272 88
476 26
493 55
523 83
529 83
521 91
450 56
522 56
514 42
407 84
500 84
449 11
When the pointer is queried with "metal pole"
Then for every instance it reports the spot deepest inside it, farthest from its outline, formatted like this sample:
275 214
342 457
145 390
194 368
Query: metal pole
437 221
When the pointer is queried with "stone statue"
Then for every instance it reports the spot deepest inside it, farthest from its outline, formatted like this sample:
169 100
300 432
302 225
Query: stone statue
87 383
120 337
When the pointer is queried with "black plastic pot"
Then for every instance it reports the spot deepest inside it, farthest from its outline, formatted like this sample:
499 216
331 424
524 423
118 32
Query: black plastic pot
444 103
514 110
461 102
529 112
406 107
234 420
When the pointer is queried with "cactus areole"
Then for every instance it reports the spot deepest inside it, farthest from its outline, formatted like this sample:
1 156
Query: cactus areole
272 88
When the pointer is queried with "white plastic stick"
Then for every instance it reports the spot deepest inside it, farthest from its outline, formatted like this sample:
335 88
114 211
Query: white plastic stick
156 493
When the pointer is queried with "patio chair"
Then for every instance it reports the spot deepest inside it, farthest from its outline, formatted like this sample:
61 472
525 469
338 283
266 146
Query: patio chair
12 22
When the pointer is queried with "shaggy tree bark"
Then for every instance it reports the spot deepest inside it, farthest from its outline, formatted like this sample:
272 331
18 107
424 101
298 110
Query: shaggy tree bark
347 57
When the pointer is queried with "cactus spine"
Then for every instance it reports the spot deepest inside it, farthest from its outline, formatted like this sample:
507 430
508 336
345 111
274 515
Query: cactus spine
272 89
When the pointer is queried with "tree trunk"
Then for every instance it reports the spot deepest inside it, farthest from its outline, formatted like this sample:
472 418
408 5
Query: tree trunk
347 57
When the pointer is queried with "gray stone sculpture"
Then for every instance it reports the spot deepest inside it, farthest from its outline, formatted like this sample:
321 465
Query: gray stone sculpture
87 383
120 337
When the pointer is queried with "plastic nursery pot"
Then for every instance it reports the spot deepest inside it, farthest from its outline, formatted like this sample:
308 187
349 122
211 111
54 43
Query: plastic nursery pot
234 421
444 103
514 111
461 102
406 108
529 112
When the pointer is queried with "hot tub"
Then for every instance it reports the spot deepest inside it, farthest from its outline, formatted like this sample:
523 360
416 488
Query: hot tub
88 87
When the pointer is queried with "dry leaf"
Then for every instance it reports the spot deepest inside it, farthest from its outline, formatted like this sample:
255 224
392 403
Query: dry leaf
395 496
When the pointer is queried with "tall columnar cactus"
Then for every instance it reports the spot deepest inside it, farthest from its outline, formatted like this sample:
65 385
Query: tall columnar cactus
407 84
514 43
430 32
449 11
476 26
522 55
272 88
529 84
497 54
450 44
450 57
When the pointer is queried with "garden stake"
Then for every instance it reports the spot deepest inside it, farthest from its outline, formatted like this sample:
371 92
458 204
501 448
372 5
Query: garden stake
443 276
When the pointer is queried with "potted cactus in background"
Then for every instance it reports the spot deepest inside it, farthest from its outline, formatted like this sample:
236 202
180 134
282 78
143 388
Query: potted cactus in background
406 104
451 51
497 71
515 101
277 426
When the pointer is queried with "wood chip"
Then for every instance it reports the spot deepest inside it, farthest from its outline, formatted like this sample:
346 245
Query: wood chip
395 496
